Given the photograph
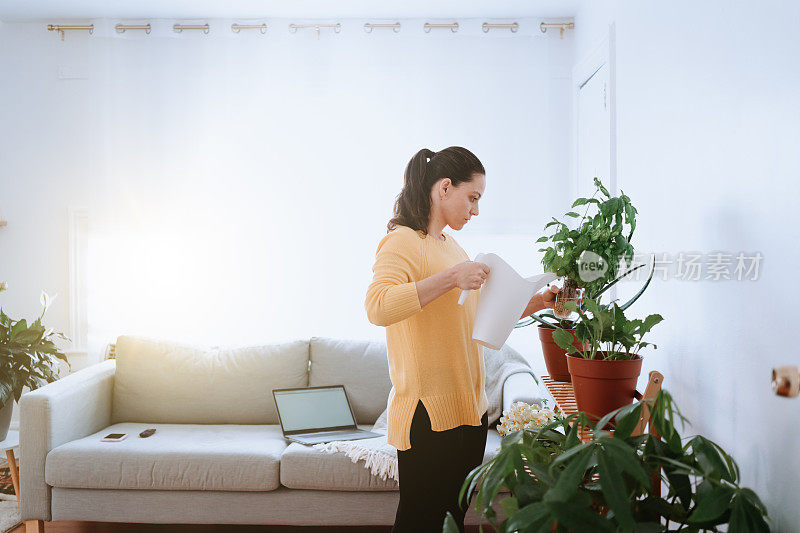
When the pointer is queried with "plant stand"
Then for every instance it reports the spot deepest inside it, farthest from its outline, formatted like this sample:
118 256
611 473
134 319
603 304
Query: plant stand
564 400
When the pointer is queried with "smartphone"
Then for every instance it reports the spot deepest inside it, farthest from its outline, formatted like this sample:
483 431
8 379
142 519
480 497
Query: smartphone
114 437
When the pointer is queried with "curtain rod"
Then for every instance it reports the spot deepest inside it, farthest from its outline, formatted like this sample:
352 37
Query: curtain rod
368 27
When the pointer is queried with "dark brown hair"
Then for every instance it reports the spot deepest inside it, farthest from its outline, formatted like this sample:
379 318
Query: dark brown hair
413 205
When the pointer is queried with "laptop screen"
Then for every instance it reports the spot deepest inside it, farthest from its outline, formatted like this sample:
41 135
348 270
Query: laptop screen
314 408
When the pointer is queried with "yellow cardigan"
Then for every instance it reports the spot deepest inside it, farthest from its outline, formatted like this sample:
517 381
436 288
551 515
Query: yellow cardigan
432 356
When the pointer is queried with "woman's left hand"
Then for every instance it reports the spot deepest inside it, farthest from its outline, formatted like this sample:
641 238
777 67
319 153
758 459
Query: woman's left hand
549 297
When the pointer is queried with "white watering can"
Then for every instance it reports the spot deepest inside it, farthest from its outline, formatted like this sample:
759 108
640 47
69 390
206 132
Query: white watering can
504 296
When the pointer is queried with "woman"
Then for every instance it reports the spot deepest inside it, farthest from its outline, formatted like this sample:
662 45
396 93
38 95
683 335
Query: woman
437 414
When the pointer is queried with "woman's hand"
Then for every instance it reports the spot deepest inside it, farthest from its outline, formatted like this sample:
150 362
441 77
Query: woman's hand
549 297
470 275
541 300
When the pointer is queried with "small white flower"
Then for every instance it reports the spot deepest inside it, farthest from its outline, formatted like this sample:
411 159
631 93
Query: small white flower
524 416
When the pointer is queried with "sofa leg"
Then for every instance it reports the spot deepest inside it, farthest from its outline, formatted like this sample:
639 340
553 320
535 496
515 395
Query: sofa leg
34 526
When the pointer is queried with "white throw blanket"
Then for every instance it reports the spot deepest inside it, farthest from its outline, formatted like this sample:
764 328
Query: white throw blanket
381 457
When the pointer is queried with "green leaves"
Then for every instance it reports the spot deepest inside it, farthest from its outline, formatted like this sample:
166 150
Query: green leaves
613 488
584 201
531 517
564 340
450 525
559 483
715 463
712 504
28 355
18 328
6 391
605 327
571 476
740 508
600 229
600 186
745 515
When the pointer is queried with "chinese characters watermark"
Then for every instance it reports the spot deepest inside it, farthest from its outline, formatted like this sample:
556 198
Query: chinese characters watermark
694 266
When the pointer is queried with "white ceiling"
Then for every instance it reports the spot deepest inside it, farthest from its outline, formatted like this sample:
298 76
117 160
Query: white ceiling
29 10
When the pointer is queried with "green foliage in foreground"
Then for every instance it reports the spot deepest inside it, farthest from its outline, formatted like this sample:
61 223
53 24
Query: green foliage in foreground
559 483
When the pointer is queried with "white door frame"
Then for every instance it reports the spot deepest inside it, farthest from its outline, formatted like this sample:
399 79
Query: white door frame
604 52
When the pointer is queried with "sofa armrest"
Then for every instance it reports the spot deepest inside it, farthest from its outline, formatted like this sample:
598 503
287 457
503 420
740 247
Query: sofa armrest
70 408
522 387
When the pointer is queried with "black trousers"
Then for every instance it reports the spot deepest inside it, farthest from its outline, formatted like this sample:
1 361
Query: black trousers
432 471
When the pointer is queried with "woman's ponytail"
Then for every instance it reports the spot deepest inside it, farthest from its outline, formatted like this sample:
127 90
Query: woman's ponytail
413 205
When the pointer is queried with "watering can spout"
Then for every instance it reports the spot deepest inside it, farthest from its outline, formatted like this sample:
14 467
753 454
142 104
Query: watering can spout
504 297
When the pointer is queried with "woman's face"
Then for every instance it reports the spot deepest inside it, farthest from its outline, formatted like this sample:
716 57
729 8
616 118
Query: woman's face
457 204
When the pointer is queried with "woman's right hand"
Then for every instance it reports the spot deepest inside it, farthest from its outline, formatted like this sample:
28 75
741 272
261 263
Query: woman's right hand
471 275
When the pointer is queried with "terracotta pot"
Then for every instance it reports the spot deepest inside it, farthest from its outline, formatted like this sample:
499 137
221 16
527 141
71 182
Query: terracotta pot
603 386
555 357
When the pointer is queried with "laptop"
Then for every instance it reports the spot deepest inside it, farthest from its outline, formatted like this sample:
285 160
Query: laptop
311 415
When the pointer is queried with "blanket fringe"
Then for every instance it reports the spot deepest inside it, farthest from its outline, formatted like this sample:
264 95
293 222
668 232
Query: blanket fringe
381 463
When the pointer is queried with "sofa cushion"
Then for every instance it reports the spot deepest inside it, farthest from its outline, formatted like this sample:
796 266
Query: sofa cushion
361 366
167 382
304 467
175 457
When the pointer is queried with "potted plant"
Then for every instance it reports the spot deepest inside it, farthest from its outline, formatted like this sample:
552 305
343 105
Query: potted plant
621 482
28 358
586 257
606 367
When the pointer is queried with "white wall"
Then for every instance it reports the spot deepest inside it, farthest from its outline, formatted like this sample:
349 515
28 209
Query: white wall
707 139
238 185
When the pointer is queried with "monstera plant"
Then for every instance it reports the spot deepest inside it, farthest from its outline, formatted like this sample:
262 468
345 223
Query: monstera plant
28 358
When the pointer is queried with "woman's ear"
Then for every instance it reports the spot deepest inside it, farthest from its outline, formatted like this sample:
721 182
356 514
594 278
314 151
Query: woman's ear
444 185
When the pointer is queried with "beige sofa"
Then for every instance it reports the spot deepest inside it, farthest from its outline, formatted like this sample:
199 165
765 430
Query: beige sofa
218 455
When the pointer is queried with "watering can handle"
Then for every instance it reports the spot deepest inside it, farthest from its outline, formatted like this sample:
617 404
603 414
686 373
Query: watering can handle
463 298
465 292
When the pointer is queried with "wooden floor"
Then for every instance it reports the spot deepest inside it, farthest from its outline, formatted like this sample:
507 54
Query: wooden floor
102 527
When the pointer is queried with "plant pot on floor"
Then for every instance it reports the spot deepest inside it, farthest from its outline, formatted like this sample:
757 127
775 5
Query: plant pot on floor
602 386
5 418
555 357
